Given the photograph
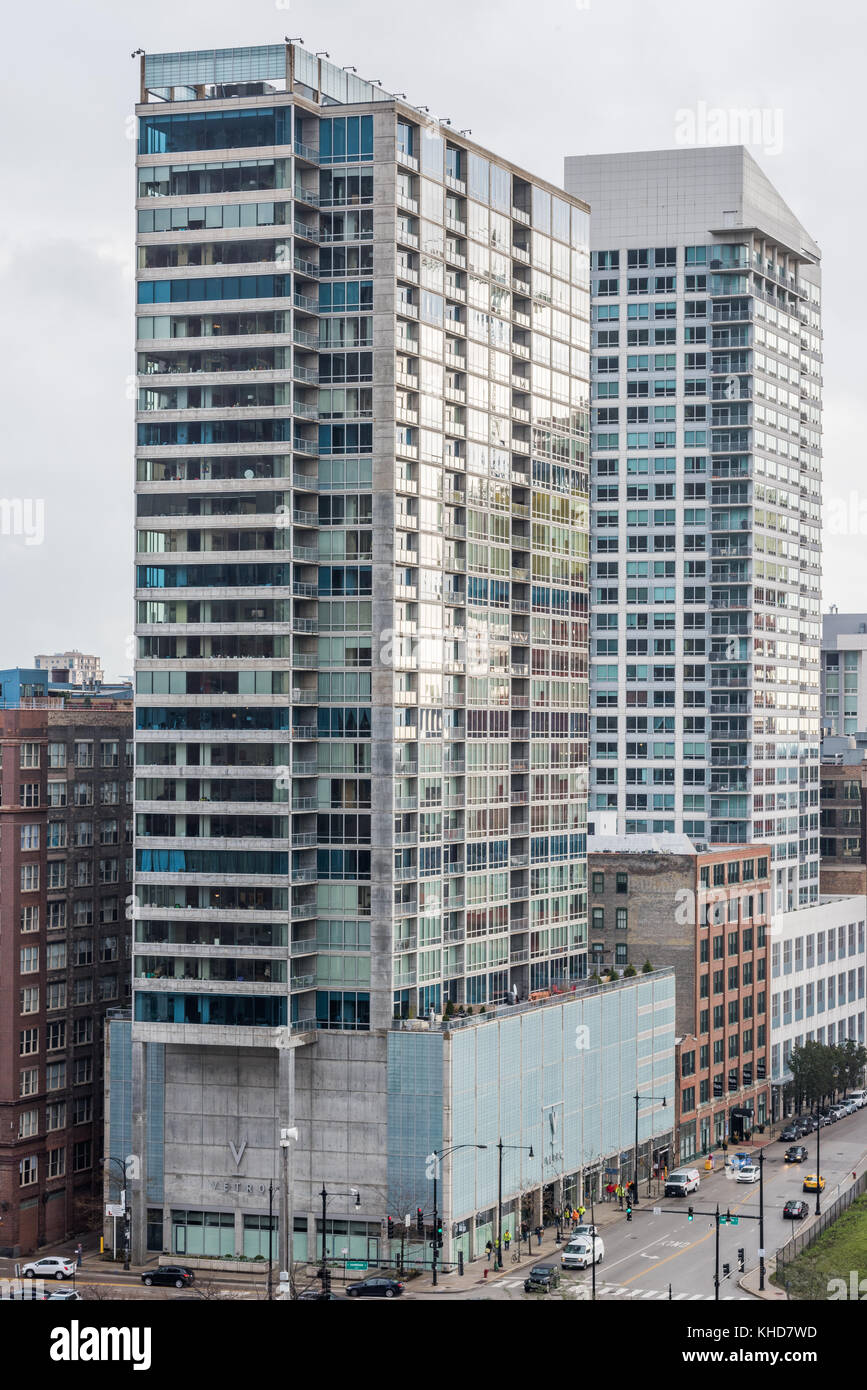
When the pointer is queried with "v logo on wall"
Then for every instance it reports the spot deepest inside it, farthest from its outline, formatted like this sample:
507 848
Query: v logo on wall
238 1153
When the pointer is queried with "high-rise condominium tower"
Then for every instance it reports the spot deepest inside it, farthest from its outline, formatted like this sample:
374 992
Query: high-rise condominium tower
706 491
362 608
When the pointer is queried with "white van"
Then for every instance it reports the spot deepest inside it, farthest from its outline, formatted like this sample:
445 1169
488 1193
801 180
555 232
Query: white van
858 1097
681 1182
584 1251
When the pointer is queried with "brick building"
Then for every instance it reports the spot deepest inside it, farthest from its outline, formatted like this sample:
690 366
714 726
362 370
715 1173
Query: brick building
705 913
65 871
843 801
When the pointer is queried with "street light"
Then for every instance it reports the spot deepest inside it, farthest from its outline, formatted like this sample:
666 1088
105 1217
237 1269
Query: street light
353 1192
437 1160
126 1212
501 1146
638 1098
818 1153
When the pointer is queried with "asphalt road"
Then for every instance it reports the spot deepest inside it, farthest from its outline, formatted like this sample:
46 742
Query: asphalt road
662 1248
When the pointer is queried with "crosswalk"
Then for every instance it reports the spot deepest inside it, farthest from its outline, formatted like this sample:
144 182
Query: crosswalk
626 1292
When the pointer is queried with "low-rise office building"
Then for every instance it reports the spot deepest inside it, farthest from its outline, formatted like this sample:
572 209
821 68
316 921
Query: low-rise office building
705 914
65 875
843 810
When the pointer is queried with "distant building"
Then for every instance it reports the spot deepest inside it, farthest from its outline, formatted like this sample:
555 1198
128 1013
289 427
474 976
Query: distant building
83 669
705 914
843 810
843 685
65 874
30 687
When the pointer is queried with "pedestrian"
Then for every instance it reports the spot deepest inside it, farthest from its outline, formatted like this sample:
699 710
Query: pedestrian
610 1191
582 1212
539 1234
620 1194
507 1238
488 1248
78 1254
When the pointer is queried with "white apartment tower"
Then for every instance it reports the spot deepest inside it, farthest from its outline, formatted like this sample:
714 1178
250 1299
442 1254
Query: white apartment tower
705 582
362 477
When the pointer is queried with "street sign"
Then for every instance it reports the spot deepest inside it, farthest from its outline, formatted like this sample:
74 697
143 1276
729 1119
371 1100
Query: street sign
114 1209
356 1264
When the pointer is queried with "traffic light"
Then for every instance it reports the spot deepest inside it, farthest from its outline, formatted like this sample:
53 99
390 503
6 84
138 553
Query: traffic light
391 1228
438 1237
741 1260
690 1214
419 1221
727 1269
628 1211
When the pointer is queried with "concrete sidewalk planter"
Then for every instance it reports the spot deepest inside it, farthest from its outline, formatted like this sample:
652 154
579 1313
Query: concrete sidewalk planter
219 1265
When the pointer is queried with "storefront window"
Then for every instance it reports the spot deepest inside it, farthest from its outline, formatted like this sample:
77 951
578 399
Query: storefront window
208 1233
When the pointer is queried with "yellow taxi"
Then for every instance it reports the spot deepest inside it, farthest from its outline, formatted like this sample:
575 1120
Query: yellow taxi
811 1183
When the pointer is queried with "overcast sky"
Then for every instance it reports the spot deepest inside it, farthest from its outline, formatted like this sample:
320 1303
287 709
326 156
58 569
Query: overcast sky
534 81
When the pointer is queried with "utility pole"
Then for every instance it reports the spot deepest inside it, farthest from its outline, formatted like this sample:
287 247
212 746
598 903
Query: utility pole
286 1221
716 1258
761 1219
818 1154
270 1241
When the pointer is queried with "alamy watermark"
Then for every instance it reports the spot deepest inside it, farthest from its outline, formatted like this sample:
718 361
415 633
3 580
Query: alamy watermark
760 126
23 516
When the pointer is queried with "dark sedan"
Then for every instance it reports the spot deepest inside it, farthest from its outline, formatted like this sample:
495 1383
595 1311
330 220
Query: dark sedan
177 1275
796 1153
789 1133
375 1288
796 1211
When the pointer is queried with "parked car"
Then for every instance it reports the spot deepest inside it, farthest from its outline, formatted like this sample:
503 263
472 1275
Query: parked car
859 1097
811 1182
584 1229
314 1296
839 1110
374 1287
581 1253
825 1120
178 1275
49 1267
682 1182
750 1172
795 1153
795 1210
542 1277
789 1133
805 1123
65 1294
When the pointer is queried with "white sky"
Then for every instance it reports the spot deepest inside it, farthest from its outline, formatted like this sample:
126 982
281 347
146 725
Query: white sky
534 82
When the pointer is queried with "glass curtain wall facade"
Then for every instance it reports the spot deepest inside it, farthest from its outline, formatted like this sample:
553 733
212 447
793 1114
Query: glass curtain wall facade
706 496
362 477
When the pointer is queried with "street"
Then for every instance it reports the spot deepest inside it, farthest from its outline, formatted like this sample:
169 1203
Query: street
661 1248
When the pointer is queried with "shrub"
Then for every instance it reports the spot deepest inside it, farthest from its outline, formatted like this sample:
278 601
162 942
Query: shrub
647 968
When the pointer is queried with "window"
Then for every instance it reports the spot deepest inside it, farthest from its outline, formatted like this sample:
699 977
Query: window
56 995
81 1158
29 960
82 1110
56 1163
57 755
28 1171
620 883
597 918
29 755
28 1123
29 1000
620 919
55 1076
28 1081
55 1115
55 1036
598 883
83 753
29 920
29 878
29 836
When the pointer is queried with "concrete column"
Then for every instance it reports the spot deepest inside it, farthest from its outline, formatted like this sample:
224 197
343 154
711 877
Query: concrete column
138 1186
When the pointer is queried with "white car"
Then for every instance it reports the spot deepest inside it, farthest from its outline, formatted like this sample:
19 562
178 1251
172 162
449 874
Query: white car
749 1173
583 1232
859 1098
50 1267
585 1251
